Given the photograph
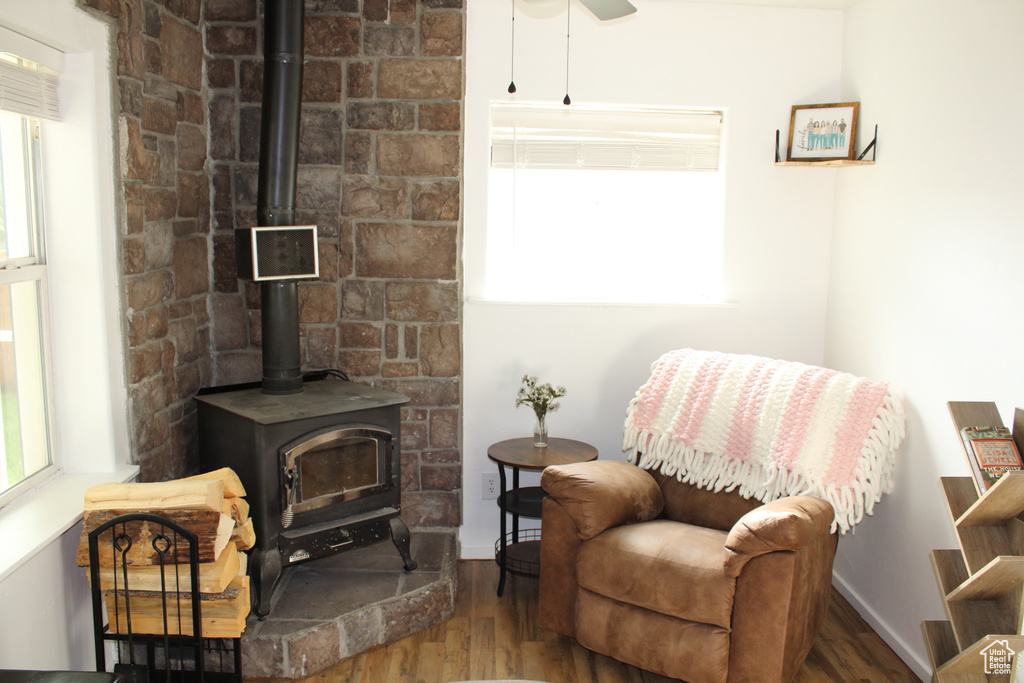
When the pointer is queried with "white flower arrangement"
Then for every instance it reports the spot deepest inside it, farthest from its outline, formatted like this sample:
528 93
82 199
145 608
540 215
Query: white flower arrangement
540 397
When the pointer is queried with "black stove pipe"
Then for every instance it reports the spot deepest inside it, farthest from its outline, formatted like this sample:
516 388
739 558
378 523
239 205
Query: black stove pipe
275 203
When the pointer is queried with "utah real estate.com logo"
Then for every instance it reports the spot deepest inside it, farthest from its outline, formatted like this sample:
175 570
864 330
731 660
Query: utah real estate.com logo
998 657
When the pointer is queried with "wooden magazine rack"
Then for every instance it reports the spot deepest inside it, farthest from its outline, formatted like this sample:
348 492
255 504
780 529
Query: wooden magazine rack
982 582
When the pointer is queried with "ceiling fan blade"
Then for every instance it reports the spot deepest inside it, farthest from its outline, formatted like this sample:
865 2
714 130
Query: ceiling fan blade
609 9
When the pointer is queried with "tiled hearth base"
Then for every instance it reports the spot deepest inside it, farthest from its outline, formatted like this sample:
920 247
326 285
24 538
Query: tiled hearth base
336 607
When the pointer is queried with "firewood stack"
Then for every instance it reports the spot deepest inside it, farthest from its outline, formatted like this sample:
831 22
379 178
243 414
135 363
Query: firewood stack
210 505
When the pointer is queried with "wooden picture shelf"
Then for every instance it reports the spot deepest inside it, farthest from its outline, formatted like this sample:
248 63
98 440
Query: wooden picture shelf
834 163
982 582
830 162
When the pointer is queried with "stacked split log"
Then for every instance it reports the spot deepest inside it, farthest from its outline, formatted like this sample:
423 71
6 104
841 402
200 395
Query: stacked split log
212 506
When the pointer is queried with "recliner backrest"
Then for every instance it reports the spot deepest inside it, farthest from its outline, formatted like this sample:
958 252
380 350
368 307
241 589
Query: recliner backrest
693 505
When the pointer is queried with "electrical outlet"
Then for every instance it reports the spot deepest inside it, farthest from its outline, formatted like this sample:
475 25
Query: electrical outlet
489 486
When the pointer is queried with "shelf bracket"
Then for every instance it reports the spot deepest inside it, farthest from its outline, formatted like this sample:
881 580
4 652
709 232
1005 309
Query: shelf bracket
871 146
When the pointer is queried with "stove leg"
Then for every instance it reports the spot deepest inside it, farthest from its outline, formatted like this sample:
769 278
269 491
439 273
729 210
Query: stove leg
264 570
400 537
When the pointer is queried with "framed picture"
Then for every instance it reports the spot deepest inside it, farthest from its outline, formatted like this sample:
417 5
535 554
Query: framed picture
821 132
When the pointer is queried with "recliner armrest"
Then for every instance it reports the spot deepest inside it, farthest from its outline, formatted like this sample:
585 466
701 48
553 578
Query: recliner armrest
784 524
601 494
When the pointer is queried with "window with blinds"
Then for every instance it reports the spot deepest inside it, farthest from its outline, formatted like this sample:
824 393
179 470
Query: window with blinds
604 205
28 95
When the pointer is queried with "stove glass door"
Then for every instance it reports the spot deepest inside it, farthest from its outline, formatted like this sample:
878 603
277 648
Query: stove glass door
337 465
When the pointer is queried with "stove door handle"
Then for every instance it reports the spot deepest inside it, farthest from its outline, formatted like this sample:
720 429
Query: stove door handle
288 515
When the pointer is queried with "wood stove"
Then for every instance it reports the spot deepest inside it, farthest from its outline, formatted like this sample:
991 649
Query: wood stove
320 460
321 469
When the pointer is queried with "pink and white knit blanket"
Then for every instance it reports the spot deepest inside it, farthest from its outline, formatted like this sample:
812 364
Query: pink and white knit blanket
767 428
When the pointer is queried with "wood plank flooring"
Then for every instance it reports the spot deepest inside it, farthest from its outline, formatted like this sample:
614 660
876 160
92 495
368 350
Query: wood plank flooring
493 638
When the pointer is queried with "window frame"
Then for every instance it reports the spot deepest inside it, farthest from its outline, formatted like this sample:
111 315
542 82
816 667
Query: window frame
90 427
33 268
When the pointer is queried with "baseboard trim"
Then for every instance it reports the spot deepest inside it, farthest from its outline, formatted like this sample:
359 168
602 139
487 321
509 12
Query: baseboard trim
913 659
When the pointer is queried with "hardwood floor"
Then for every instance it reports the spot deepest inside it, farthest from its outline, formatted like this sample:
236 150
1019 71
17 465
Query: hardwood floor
495 638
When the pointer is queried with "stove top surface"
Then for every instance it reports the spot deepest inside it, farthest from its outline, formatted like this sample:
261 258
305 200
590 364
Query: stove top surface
324 397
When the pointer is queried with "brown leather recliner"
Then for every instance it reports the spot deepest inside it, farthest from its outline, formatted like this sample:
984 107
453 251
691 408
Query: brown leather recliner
687 583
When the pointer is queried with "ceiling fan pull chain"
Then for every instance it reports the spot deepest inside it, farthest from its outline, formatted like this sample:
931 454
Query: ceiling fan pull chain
512 82
568 13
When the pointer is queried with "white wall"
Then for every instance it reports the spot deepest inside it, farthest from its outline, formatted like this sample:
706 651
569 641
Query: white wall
927 286
753 62
47 611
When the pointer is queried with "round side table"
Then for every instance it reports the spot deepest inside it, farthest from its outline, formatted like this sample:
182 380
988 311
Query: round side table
519 551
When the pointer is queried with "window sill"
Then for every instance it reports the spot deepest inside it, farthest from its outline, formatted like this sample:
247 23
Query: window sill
31 523
481 301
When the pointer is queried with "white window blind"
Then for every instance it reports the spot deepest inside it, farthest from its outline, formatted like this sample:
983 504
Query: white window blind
579 137
28 91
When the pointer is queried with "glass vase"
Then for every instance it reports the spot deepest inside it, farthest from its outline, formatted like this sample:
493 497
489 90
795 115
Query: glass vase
540 432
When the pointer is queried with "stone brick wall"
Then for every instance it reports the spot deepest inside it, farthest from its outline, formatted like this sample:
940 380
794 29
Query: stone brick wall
380 166
164 223
379 174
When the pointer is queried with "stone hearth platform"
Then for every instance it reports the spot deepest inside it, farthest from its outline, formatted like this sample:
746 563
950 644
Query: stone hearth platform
330 609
